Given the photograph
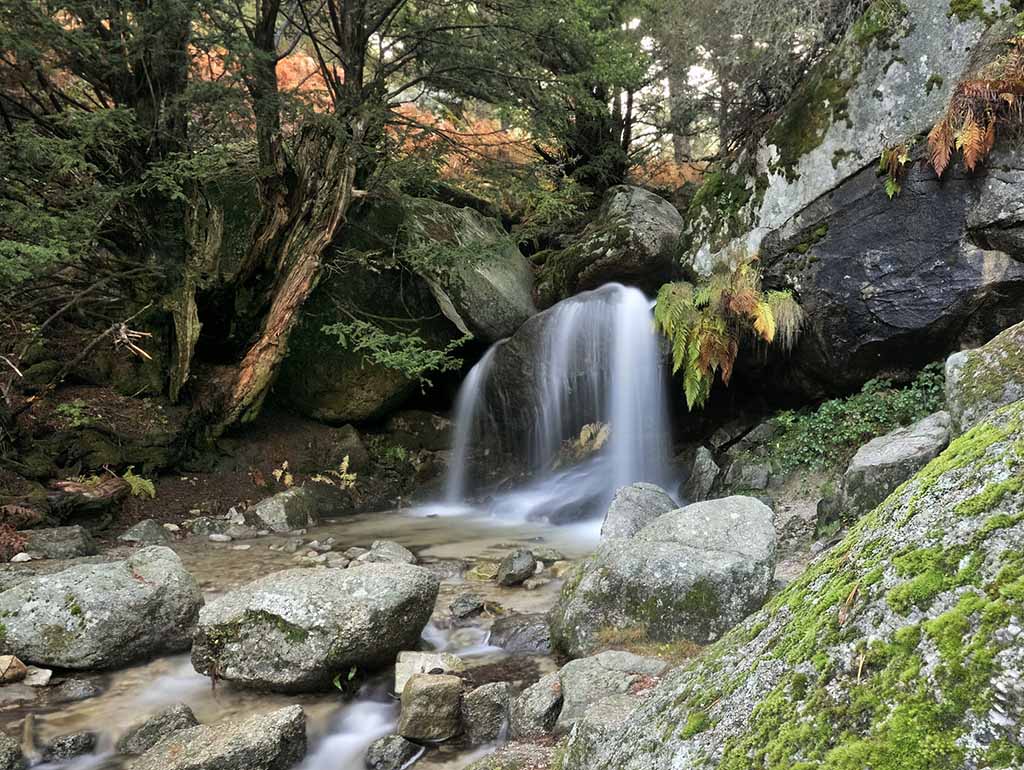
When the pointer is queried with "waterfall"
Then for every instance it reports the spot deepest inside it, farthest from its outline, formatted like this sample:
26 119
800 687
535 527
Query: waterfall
593 358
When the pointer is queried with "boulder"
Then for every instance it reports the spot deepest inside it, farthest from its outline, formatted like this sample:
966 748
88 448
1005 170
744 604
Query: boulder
103 615
691 574
517 756
141 737
524 634
535 711
516 567
65 747
485 712
587 681
411 663
386 552
900 645
601 721
293 631
11 757
979 381
885 462
634 507
631 240
292 509
431 708
273 741
392 752
60 542
146 532
702 476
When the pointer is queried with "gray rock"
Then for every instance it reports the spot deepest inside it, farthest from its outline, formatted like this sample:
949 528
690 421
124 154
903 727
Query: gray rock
634 507
431 708
348 443
141 737
526 634
535 711
354 552
411 663
65 747
103 615
60 542
516 567
885 462
294 630
146 532
11 757
703 475
587 681
957 519
979 381
600 723
386 552
485 712
747 474
691 574
285 511
274 741
392 752
206 525
517 756
466 605
73 690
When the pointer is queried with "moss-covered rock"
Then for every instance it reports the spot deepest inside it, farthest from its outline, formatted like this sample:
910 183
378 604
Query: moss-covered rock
981 380
898 649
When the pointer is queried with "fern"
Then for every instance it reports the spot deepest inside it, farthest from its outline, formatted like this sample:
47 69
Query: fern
706 323
139 485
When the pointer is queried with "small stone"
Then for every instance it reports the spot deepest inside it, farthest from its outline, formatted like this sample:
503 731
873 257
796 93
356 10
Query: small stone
516 568
141 737
69 746
245 547
355 552
560 568
146 532
336 560
60 543
172 527
431 708
240 532
292 544
546 555
204 525
20 558
11 669
466 605
387 551
218 537
37 677
483 570
533 583
485 712
392 752
73 690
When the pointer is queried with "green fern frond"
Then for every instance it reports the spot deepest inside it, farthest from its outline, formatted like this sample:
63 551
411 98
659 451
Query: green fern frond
139 485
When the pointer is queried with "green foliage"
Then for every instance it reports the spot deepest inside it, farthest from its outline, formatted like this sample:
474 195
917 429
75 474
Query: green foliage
828 436
140 486
74 412
706 322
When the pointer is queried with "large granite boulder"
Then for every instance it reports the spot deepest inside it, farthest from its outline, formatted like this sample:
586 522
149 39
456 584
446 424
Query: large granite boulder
634 507
899 647
691 574
535 710
587 681
631 240
981 380
102 615
885 462
295 630
274 741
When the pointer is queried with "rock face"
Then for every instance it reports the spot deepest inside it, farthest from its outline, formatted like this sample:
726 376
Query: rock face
294 630
516 567
103 615
60 542
981 380
142 737
588 681
631 240
924 589
691 574
884 463
431 708
285 511
887 286
634 507
274 741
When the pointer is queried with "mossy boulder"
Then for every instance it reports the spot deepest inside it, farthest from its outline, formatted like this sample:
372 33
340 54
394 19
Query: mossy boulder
691 574
898 649
631 240
981 380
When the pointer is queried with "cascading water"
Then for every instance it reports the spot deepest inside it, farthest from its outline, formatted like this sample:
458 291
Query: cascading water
594 358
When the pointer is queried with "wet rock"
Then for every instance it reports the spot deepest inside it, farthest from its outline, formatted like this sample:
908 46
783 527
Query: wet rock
11 669
535 711
516 567
634 507
466 606
980 381
587 681
517 756
411 663
146 532
431 708
206 525
546 555
73 690
703 475
444 569
103 615
219 537
286 511
65 747
274 741
37 677
142 737
60 542
526 634
691 574
532 584
293 631
392 752
386 552
21 558
885 462
485 712
11 757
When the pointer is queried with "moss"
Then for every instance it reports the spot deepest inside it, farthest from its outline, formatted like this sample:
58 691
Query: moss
816 235
966 10
57 639
696 723
934 81
985 375
991 496
879 24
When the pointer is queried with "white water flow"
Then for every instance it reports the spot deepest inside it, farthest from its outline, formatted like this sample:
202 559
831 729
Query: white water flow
596 359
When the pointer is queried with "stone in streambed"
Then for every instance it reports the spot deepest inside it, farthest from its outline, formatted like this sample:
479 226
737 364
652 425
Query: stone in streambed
11 757
411 663
485 712
65 747
146 532
392 752
141 737
535 711
524 634
516 567
431 708
60 542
